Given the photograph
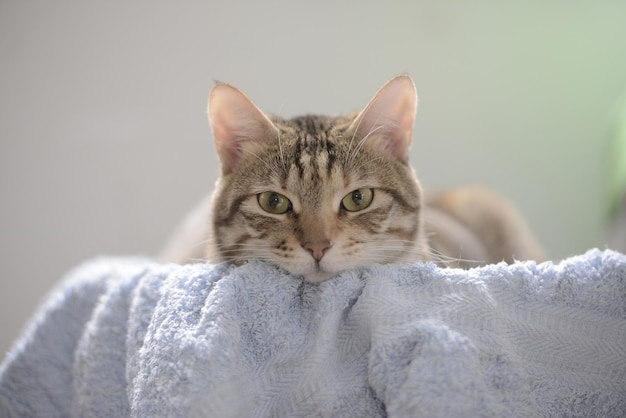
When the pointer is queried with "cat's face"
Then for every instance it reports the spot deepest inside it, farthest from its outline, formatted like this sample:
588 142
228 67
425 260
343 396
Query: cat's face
316 195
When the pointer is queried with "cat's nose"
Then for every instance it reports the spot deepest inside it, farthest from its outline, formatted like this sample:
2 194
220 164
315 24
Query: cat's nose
317 248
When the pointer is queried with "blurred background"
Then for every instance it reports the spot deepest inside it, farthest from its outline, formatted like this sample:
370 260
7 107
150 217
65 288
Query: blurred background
104 141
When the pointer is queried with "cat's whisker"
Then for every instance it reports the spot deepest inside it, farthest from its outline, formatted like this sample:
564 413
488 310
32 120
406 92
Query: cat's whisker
441 258
348 154
392 247
356 130
237 260
268 165
282 155
196 260
245 244
352 155
202 243
238 246
363 141
368 163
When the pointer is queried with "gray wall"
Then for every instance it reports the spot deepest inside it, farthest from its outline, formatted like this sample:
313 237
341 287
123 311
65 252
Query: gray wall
104 142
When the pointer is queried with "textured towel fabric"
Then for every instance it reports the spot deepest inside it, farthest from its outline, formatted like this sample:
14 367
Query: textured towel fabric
124 337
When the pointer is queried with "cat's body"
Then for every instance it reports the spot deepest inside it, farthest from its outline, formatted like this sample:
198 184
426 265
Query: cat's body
317 195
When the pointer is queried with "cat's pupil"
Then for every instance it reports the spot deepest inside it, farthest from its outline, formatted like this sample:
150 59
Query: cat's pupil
357 197
274 200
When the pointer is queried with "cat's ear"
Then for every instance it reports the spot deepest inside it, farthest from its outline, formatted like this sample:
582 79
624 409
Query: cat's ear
239 128
387 120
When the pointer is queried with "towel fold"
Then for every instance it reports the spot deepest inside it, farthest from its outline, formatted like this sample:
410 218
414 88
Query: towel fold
129 337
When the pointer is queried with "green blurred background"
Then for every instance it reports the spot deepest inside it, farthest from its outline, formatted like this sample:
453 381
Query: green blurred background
104 143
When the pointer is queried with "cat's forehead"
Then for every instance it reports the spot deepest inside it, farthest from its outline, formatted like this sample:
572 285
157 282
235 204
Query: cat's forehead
315 148
311 128
311 138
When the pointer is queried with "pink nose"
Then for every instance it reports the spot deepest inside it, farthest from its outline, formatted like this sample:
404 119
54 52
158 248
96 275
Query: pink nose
317 248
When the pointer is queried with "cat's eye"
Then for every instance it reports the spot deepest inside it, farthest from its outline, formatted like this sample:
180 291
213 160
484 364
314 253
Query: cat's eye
357 200
273 202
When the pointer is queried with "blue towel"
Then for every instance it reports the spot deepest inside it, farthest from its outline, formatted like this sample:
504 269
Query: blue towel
129 337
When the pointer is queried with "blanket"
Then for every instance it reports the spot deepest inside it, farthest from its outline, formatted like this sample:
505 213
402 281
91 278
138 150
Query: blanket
130 337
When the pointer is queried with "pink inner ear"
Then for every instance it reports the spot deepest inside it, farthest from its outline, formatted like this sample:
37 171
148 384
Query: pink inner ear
389 116
236 124
227 146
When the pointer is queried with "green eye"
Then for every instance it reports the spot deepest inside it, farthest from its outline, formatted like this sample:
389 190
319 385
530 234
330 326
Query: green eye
357 200
273 202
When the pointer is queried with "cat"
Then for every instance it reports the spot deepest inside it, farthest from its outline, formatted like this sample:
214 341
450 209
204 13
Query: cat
317 195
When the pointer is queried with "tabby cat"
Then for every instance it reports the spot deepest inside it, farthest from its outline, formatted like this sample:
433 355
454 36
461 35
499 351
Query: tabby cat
317 195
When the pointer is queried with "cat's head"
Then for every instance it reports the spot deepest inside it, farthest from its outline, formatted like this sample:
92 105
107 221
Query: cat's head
316 195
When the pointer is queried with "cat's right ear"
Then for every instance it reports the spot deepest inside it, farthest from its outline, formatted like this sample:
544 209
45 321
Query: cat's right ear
239 128
387 120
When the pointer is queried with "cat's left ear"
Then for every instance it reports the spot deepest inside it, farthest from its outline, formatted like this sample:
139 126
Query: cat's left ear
388 118
239 128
